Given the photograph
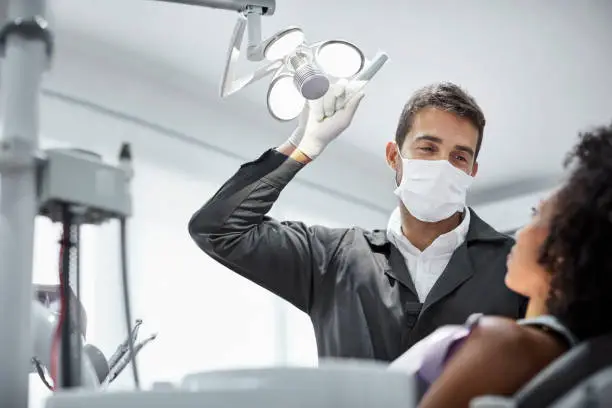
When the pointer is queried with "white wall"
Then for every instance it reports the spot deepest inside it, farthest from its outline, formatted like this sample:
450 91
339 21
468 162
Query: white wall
153 93
512 213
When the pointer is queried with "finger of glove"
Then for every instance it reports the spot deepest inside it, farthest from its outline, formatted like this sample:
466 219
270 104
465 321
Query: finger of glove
353 101
329 103
316 110
339 89
355 86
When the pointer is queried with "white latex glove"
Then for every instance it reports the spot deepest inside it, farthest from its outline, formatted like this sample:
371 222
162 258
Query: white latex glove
298 133
328 117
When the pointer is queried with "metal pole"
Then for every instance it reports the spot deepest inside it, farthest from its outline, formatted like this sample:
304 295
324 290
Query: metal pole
25 60
268 6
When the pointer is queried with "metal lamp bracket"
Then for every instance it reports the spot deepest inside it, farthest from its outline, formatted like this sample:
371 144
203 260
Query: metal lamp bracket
250 20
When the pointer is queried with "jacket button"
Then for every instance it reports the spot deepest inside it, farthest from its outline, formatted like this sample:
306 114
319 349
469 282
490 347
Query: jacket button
411 320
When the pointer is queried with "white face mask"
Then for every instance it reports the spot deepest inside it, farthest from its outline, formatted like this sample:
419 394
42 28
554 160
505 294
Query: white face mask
432 190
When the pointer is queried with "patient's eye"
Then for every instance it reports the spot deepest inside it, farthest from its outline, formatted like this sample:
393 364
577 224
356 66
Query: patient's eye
534 211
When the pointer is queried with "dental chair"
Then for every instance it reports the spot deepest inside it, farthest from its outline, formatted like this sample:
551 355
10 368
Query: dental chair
582 377
596 391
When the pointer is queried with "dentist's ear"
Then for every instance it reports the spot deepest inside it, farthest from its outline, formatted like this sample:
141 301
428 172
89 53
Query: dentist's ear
474 169
392 156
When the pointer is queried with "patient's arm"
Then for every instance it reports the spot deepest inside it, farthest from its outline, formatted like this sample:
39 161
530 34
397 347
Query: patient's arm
498 358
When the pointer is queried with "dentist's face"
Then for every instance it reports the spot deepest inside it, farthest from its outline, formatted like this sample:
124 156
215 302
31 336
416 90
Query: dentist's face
437 135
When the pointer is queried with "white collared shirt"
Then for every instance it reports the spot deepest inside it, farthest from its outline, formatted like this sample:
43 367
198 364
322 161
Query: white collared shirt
426 266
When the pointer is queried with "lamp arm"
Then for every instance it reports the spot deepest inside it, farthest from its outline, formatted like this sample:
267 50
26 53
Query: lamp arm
370 69
255 48
268 6
229 84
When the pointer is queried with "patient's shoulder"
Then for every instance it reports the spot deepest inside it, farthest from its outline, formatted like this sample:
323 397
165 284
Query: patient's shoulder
499 330
498 358
510 338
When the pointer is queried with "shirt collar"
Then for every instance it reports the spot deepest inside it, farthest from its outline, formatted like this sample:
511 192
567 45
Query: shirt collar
445 244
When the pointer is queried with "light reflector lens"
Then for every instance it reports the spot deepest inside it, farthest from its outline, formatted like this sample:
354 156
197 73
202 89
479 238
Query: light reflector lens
284 43
284 100
340 59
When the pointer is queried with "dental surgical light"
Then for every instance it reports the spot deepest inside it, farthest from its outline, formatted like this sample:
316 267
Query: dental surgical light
340 59
284 43
284 100
300 71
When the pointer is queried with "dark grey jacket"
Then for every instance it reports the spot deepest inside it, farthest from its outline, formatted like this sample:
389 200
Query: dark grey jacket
353 283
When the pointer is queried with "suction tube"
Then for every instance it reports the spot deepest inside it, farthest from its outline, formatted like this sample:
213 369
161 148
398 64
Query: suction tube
43 330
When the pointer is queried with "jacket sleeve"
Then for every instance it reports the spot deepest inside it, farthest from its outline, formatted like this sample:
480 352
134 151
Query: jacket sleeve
288 258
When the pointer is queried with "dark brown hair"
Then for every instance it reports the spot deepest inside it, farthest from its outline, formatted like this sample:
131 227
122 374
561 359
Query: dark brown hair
444 96
577 251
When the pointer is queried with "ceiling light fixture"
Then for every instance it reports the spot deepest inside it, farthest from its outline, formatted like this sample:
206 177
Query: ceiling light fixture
300 71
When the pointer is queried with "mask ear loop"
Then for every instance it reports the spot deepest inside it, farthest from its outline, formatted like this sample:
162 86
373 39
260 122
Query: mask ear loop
399 153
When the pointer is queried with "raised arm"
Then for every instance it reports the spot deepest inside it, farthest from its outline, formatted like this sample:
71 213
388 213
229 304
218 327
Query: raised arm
287 258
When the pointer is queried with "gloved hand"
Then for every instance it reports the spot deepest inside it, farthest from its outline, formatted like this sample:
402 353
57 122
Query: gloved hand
326 118
298 133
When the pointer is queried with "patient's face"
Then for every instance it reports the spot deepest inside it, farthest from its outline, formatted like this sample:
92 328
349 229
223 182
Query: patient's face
525 275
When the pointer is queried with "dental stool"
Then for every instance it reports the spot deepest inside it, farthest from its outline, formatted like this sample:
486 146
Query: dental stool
582 371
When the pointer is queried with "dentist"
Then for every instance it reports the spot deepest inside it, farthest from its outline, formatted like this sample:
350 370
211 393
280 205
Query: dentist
371 294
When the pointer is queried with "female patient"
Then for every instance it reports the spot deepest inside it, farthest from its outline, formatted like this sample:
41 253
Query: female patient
562 261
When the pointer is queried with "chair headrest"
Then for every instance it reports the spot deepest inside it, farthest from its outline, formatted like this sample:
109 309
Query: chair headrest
566 372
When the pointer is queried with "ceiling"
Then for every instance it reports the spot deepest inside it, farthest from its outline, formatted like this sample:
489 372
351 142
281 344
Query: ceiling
540 70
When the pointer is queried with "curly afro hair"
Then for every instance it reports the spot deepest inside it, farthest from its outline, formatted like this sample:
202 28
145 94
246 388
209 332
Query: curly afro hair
578 250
